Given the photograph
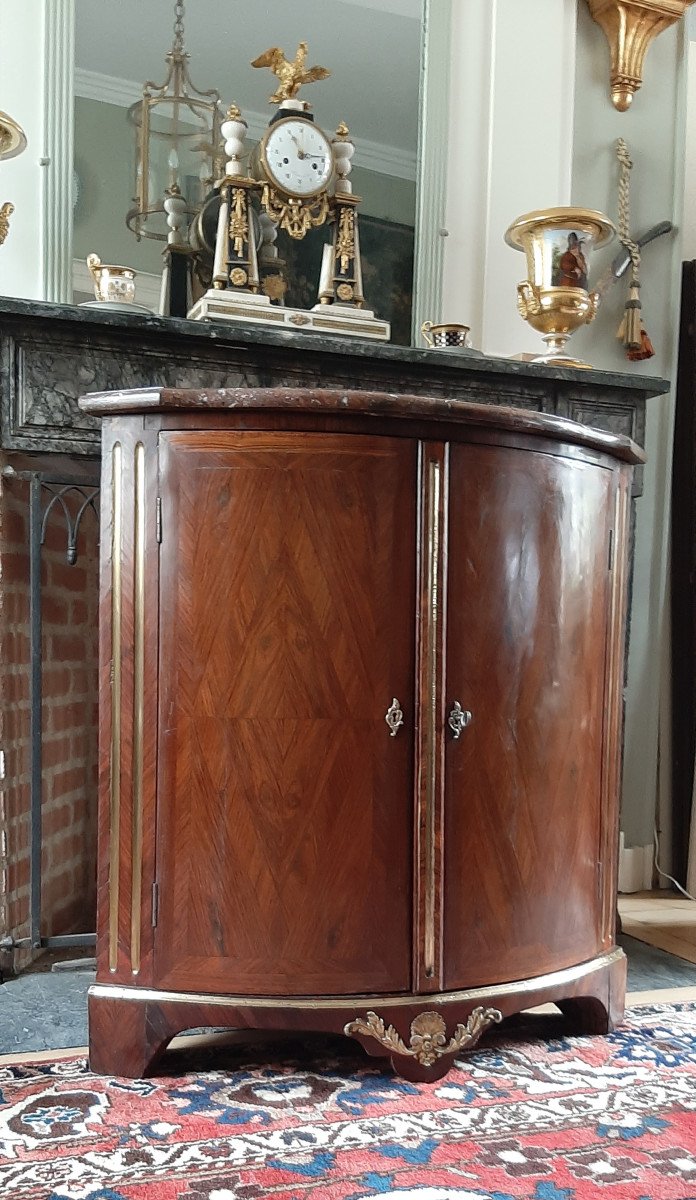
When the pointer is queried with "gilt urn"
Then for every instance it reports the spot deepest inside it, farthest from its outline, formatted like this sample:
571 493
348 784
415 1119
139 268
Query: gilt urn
555 298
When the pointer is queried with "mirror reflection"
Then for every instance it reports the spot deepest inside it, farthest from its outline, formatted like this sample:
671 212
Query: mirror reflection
372 49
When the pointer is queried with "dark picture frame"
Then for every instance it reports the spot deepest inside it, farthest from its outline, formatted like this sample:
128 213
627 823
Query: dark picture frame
387 251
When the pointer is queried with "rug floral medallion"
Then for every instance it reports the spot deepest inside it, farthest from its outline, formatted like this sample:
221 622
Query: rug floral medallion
530 1114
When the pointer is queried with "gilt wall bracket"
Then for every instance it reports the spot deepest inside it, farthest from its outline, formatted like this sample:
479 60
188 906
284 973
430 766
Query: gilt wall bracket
12 141
631 26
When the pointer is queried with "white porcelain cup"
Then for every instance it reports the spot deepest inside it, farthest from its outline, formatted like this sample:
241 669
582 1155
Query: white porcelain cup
444 335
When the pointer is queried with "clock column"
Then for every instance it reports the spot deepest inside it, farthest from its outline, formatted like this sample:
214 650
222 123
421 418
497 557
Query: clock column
341 274
235 266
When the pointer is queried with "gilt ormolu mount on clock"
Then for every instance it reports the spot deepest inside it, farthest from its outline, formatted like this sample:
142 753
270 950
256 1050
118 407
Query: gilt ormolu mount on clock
296 180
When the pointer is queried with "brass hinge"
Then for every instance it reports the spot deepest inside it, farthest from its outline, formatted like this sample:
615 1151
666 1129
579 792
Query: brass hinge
611 549
155 904
158 518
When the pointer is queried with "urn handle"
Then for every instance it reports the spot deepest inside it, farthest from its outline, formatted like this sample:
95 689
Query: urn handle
528 302
595 299
94 263
458 719
394 717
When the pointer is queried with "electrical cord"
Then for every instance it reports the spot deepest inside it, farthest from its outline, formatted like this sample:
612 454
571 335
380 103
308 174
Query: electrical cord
664 874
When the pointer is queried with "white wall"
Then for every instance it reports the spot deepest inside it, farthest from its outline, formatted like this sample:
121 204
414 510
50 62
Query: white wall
689 215
532 125
21 182
510 143
36 85
654 131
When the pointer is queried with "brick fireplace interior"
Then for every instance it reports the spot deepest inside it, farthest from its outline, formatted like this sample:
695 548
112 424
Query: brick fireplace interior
69 719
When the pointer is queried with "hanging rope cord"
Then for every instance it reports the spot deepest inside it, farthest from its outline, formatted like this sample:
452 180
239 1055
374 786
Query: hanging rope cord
631 331
626 166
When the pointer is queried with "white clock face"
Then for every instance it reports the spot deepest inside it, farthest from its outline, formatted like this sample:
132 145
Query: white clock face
298 157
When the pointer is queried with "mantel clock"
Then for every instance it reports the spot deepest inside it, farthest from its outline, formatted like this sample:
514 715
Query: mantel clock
296 179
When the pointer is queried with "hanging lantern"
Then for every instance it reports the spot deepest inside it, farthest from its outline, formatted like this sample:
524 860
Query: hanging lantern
177 142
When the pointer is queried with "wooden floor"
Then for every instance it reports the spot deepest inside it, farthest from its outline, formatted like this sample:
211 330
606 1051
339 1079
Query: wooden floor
663 919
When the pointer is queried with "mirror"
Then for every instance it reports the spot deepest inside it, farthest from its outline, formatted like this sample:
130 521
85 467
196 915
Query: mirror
373 49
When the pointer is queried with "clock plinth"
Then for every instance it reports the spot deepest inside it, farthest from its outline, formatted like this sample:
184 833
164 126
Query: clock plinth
249 309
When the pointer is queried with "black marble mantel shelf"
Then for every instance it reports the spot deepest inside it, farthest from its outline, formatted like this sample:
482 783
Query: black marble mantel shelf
52 354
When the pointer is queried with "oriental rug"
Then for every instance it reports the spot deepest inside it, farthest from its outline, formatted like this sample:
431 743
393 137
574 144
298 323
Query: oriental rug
532 1114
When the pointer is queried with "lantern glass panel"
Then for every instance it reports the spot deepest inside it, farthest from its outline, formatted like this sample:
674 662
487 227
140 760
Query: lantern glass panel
175 146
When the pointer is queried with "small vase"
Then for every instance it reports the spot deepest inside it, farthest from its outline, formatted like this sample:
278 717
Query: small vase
555 297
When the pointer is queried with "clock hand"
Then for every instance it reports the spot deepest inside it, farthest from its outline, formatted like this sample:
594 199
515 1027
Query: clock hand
300 152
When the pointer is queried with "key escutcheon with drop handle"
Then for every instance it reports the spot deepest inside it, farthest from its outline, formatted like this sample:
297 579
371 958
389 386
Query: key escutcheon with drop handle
458 719
394 717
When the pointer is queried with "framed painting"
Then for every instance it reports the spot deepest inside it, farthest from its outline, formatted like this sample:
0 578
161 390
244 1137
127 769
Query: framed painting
387 264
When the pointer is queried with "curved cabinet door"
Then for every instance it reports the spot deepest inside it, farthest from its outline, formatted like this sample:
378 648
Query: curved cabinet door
528 595
287 629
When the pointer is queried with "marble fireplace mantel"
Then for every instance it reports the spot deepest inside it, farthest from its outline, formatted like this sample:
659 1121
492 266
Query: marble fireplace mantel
52 354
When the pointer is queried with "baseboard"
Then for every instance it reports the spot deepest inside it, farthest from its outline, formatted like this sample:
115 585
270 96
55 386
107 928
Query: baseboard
635 867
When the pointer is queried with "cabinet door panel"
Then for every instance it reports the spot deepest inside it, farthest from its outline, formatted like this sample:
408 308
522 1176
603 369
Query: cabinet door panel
526 645
285 807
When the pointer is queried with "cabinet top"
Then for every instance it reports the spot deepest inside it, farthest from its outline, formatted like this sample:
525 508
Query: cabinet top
286 401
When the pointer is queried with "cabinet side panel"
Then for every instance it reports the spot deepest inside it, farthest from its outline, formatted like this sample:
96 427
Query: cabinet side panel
613 703
128 701
285 805
527 638
110 601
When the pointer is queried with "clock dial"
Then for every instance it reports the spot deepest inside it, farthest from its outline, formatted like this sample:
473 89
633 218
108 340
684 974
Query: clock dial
298 157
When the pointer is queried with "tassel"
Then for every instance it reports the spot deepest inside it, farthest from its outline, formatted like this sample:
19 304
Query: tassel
646 349
629 329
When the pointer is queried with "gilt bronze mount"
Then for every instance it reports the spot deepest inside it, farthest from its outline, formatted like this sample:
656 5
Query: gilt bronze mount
13 141
428 1040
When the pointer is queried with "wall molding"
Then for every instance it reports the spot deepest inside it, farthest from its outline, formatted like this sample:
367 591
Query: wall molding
431 185
109 89
371 156
57 156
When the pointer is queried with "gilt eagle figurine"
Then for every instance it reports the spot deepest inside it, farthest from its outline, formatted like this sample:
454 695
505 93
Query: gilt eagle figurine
292 75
